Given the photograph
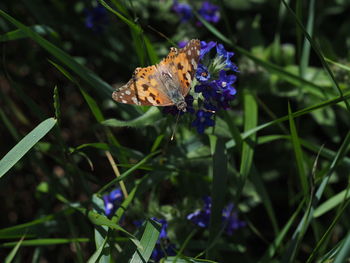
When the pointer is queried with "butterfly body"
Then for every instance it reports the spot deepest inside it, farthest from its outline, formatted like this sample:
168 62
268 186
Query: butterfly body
163 84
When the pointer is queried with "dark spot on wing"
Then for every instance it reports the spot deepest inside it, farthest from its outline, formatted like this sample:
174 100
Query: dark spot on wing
152 95
184 75
157 101
179 66
145 87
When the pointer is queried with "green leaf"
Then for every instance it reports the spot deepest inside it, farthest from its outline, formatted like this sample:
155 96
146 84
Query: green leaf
331 203
148 118
21 148
13 252
46 242
131 24
95 257
298 153
250 122
344 251
219 189
19 34
148 242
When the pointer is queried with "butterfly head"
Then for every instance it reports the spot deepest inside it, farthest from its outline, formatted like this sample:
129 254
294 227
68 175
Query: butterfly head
181 105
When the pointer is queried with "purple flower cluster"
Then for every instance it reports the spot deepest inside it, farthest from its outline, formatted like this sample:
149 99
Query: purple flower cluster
207 11
112 201
96 18
229 217
215 85
183 10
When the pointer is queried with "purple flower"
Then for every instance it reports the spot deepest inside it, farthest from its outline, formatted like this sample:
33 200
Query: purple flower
208 89
96 18
203 120
202 73
183 10
163 231
227 56
182 43
209 12
160 252
231 219
225 83
218 93
201 217
206 47
175 111
112 201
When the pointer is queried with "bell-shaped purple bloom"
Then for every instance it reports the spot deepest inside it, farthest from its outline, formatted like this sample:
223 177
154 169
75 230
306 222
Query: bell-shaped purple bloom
208 90
112 201
225 83
96 18
201 217
202 73
182 43
227 56
183 10
206 47
209 12
163 231
203 120
160 252
230 217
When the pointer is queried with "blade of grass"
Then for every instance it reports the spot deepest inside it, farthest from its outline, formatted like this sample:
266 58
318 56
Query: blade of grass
46 242
305 54
21 148
148 242
318 52
126 173
19 34
250 122
298 154
275 245
14 251
298 113
98 253
306 220
100 86
344 251
218 192
148 118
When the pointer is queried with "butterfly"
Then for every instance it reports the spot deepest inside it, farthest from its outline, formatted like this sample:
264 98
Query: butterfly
164 84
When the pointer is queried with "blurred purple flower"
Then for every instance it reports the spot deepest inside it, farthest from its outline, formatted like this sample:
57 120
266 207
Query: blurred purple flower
158 252
182 43
96 18
230 217
112 201
183 10
201 217
163 231
209 12
203 120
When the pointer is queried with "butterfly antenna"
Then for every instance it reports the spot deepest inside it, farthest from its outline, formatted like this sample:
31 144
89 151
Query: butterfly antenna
161 34
175 127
